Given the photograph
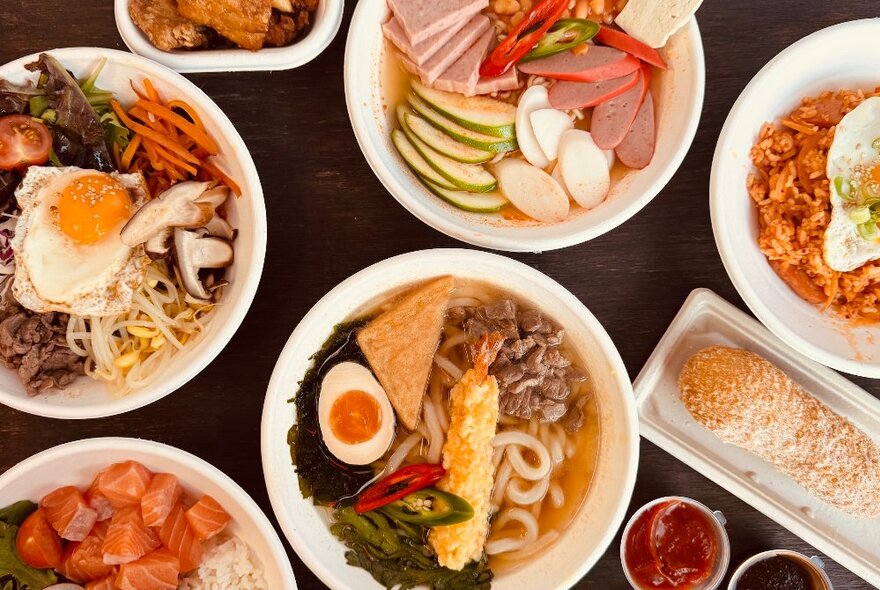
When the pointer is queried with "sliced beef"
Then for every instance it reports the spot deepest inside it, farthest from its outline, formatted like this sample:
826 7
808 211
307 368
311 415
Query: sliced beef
535 377
35 345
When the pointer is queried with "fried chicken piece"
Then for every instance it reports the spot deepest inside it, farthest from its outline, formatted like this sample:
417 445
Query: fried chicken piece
165 27
244 22
283 28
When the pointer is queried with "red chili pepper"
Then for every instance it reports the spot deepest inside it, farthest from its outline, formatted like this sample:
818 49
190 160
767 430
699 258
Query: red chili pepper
401 483
523 37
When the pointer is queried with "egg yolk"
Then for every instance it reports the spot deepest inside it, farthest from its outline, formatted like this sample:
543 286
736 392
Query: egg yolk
875 173
355 417
91 206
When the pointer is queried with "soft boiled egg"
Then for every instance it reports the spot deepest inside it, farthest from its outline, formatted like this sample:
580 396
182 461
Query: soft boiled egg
853 168
68 253
356 418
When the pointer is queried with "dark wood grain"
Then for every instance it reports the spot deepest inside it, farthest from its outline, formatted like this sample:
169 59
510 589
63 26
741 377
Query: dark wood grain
329 216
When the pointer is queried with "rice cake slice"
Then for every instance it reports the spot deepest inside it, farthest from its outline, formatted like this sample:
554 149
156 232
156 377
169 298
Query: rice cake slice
400 344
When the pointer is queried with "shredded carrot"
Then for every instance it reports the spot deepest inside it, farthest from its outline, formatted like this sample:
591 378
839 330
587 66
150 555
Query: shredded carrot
833 294
169 143
197 135
130 150
217 173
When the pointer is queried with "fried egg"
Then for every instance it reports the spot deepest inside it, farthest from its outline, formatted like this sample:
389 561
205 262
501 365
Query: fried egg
68 253
853 169
355 415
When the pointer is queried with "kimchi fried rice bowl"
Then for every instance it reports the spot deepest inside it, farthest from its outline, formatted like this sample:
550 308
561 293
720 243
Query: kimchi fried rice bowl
791 191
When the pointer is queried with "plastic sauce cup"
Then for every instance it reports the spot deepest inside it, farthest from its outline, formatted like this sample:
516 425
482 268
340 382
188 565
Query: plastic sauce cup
715 518
814 566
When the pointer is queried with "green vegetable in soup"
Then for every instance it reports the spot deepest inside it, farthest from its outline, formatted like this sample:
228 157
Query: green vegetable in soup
430 507
397 554
565 34
14 573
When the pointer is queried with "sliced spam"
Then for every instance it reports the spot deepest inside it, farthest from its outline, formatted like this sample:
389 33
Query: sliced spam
422 52
463 75
422 19
509 80
457 46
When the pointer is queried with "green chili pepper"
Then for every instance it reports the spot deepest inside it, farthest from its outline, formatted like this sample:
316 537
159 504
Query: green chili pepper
430 507
565 34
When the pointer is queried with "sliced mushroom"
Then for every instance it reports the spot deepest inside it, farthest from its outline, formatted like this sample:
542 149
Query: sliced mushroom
195 251
159 246
179 206
216 196
220 228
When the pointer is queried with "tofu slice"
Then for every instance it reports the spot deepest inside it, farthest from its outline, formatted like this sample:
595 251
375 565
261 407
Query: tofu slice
422 19
653 21
400 344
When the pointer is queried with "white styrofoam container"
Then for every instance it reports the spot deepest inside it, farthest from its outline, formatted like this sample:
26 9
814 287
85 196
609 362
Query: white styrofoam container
371 100
88 398
831 59
597 521
706 320
76 463
325 25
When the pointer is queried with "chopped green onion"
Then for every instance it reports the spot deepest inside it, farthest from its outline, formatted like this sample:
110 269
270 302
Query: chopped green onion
843 187
860 215
88 85
876 144
868 231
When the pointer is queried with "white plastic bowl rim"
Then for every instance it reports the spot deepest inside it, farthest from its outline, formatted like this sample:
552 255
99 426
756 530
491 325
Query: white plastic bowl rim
325 26
680 104
716 518
584 541
824 60
75 463
87 398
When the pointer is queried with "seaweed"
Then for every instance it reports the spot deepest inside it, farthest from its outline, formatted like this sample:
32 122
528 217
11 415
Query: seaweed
322 476
400 557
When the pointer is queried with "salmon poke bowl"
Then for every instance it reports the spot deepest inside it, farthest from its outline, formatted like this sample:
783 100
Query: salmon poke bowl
130 514
524 125
132 234
449 419
795 191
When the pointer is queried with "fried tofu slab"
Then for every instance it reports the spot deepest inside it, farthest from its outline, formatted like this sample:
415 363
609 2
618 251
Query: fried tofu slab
400 344
244 22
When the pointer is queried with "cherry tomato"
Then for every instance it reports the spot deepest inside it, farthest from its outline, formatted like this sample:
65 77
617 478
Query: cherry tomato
23 141
37 543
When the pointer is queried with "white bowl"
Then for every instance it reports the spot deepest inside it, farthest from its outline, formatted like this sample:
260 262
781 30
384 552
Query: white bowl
830 59
87 398
594 526
76 463
679 100
325 25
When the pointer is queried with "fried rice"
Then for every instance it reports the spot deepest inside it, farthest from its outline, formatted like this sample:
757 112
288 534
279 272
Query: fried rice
791 191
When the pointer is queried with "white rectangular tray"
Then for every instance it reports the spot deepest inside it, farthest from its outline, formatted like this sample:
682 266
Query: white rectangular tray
704 320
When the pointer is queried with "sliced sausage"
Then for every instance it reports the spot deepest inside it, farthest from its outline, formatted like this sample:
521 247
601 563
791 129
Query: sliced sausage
566 95
612 119
637 148
597 64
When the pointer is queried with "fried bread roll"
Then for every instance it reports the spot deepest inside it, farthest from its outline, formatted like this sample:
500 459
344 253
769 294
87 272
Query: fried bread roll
747 401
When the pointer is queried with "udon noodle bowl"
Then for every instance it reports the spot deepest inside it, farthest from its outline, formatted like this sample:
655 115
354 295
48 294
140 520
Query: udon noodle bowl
454 418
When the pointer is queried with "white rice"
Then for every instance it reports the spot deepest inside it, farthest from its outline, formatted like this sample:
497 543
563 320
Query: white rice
228 564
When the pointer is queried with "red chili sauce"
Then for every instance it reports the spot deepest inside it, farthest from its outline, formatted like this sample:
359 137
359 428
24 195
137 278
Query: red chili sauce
672 546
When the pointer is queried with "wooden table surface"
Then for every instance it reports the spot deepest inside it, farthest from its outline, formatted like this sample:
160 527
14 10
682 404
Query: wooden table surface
329 216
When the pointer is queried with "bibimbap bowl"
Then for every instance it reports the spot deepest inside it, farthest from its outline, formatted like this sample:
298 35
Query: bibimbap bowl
595 521
89 398
76 464
372 91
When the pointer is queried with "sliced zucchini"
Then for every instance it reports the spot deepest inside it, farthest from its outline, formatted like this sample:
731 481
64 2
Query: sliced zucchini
475 139
472 202
401 112
442 143
417 162
480 113
466 177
